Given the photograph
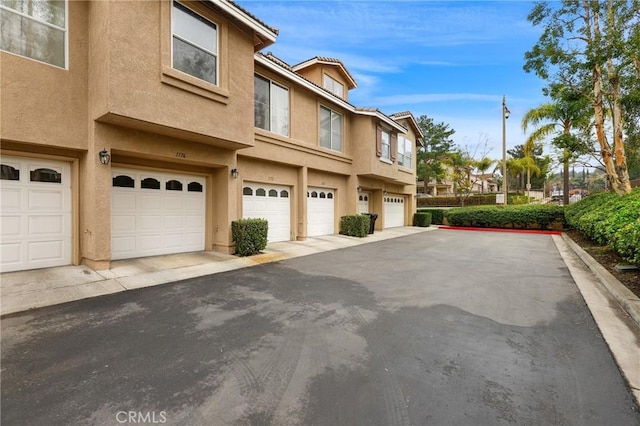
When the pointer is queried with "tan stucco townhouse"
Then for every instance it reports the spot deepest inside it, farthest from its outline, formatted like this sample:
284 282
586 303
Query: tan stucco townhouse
132 129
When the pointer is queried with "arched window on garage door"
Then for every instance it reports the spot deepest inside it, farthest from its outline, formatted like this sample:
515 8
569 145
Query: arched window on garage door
150 183
124 181
194 187
46 175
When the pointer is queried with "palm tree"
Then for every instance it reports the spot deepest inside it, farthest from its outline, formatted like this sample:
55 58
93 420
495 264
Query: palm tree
569 112
483 165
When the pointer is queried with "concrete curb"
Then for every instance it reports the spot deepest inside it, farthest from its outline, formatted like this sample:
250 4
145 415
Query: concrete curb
629 301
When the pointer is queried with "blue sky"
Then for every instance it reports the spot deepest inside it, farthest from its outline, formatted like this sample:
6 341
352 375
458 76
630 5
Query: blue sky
450 60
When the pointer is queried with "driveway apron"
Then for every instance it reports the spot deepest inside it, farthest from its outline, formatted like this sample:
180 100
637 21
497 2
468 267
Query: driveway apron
442 328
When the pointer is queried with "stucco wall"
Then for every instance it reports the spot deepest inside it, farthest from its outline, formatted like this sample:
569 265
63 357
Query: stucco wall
43 104
143 86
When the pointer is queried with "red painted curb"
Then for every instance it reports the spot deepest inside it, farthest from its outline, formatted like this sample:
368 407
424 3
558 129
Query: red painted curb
520 231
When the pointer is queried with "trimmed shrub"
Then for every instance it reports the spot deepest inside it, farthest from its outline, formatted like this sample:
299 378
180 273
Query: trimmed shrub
626 241
437 215
608 218
355 225
521 217
249 235
422 219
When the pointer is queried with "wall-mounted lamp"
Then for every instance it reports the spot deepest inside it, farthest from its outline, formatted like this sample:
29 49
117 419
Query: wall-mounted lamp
104 156
235 173
384 192
359 188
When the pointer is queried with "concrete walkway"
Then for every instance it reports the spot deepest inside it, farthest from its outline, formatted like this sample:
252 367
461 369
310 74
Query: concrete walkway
24 290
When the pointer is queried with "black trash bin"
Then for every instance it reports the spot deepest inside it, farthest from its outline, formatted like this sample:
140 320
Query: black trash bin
372 221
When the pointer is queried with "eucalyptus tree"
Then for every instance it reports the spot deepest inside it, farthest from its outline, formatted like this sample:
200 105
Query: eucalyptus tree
592 45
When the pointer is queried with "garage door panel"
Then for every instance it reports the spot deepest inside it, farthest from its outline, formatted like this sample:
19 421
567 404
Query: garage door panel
11 198
39 225
148 223
45 250
123 244
44 200
149 242
193 204
173 241
11 253
11 226
150 202
123 223
194 239
174 222
123 201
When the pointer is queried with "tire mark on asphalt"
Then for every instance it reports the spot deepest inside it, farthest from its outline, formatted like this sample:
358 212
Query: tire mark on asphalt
394 400
272 379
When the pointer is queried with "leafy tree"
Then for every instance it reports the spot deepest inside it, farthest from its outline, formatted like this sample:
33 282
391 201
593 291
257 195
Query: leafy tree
591 46
437 145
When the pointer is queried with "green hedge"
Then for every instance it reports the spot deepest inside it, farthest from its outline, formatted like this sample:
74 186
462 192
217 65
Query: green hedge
520 217
355 225
422 219
437 215
608 218
250 235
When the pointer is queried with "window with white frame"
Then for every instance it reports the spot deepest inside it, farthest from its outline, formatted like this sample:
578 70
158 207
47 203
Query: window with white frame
385 136
330 129
271 106
35 29
333 86
405 151
195 44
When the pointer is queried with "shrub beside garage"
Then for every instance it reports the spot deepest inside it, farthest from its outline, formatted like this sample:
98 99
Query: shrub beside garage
249 235
610 219
355 225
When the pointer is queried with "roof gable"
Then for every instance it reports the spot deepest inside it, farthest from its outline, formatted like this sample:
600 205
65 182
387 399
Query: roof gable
320 60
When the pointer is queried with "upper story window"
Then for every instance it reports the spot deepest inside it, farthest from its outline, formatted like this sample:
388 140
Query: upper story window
385 141
35 29
271 106
330 129
333 86
195 44
405 151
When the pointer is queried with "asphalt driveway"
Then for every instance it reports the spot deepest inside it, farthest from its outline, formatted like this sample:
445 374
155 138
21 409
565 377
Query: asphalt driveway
442 328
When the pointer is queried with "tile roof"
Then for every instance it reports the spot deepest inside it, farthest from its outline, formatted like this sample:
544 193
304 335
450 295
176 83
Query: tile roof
252 16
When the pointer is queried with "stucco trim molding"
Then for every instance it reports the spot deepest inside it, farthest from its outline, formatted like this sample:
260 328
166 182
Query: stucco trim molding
193 85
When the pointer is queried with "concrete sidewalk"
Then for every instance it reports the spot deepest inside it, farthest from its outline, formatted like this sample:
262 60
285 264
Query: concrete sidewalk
24 290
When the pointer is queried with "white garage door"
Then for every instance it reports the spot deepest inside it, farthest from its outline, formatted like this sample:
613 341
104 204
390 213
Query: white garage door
35 213
393 211
155 213
363 202
320 211
271 202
